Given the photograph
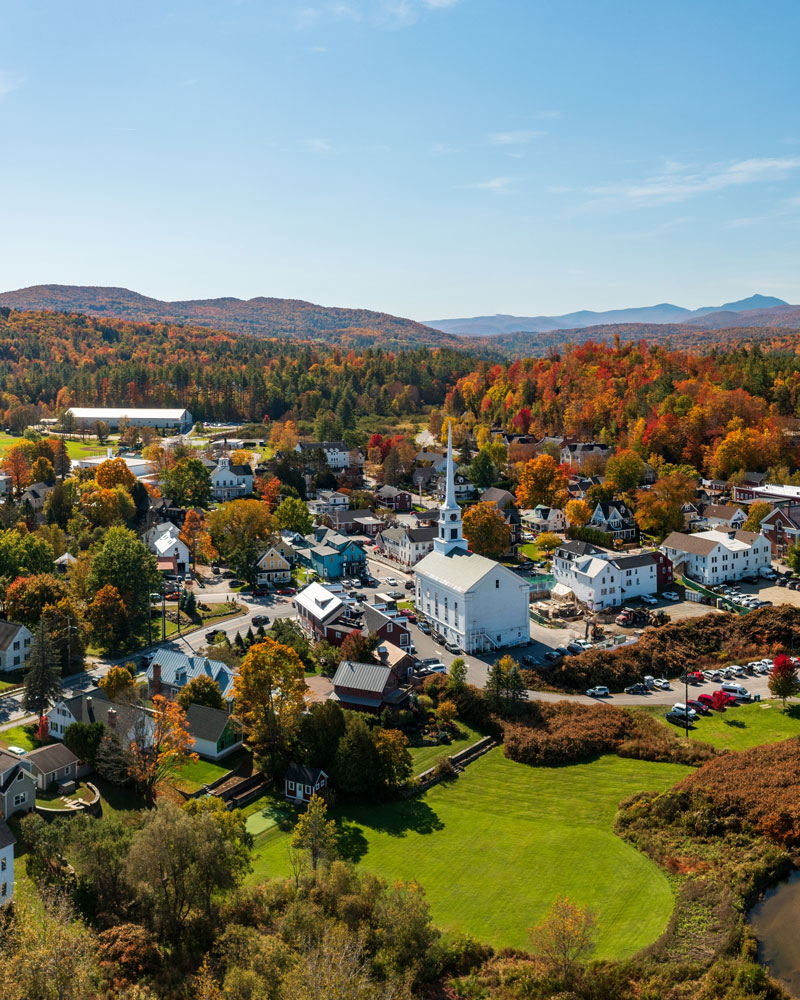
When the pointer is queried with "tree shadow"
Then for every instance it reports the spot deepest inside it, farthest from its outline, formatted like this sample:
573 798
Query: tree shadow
793 711
351 843
399 818
736 723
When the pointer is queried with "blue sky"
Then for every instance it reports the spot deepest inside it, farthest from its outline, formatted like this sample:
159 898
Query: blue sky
429 158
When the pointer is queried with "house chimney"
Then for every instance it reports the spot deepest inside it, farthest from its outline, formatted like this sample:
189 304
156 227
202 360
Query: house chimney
112 718
156 678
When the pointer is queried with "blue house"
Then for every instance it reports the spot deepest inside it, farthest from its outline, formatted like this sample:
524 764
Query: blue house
333 555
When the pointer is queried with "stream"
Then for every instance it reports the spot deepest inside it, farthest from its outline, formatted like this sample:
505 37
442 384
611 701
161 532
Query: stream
776 920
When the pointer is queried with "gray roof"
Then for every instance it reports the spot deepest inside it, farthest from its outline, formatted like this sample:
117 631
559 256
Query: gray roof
498 496
695 544
426 533
206 723
50 758
304 774
374 619
8 632
362 676
177 669
7 838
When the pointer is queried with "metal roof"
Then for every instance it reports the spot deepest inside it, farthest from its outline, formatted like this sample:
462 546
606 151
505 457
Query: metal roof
371 677
115 412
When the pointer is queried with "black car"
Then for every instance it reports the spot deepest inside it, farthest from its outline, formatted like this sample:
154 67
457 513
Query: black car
636 689
782 581
409 584
438 637
260 620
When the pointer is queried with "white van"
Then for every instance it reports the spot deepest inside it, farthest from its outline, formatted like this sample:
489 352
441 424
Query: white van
735 690
767 573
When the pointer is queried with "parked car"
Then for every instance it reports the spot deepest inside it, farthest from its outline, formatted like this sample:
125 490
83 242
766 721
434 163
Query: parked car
700 707
575 648
260 620
409 614
424 627
677 718
530 661
670 595
215 568
391 581
552 655
737 691
636 689
681 709
563 650
452 647
409 585
598 692
661 683
649 599
438 637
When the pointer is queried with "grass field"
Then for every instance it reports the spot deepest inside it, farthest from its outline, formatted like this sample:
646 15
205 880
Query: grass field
193 776
746 725
20 736
426 756
496 847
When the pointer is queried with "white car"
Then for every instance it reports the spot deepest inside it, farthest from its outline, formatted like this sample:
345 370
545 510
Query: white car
584 643
670 595
661 683
649 599
391 581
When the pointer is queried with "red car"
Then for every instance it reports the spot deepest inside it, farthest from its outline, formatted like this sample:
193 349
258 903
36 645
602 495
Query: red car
408 614
285 591
699 706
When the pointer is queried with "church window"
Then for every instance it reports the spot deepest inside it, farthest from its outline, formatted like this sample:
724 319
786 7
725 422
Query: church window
454 532
452 517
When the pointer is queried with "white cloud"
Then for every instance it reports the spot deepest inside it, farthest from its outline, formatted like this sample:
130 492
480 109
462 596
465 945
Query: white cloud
678 182
497 185
379 13
515 137
9 82
439 4
318 145
443 148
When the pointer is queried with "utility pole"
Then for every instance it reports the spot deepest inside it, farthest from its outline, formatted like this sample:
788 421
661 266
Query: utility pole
686 700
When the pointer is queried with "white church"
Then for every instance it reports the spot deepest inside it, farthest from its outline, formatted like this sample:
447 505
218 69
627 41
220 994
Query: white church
471 600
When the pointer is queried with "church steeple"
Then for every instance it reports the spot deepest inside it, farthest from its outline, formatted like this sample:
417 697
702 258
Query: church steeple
450 526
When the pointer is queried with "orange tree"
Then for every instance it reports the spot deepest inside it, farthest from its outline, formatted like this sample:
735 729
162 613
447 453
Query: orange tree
542 481
117 683
196 538
114 472
108 617
486 530
17 464
268 694
160 746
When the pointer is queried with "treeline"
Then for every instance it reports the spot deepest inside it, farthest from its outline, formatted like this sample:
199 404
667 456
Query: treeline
55 360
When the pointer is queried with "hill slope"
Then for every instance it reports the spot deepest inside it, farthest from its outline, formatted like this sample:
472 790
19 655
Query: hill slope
259 317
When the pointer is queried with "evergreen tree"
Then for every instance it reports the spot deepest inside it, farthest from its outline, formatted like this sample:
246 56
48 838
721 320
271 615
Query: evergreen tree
496 685
190 603
515 685
250 638
43 676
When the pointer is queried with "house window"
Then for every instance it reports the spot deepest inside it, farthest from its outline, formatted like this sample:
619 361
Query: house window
3 864
19 798
497 584
291 786
308 789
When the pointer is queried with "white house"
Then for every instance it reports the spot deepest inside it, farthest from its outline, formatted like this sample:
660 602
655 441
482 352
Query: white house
408 545
229 482
215 734
577 453
712 557
472 601
164 540
600 578
15 645
329 501
543 518
337 454
724 516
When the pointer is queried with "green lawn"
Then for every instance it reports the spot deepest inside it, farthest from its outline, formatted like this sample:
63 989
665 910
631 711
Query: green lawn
747 725
532 551
426 756
496 847
20 736
193 776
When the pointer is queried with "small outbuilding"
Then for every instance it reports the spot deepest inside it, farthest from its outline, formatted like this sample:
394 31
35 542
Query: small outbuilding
301 782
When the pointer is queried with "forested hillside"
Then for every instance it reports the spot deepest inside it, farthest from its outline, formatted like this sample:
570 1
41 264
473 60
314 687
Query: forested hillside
57 360
717 411
259 317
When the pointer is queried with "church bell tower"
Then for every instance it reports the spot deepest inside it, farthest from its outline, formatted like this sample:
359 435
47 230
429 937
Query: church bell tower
451 536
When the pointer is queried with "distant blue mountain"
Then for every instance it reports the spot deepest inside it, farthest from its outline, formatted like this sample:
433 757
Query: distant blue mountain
665 312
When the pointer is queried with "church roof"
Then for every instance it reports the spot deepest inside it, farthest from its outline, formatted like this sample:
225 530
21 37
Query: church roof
461 570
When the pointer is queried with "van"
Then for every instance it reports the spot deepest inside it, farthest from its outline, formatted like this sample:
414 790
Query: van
767 572
735 690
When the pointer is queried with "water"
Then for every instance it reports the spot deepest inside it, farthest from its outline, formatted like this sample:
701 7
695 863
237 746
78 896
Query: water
775 921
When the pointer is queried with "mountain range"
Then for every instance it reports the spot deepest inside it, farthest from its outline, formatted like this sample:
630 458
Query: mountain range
708 317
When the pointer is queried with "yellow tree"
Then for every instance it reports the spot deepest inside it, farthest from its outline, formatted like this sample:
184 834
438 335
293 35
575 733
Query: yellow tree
114 472
542 482
284 436
486 530
117 683
104 507
268 694
578 513
160 746
240 457
564 938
